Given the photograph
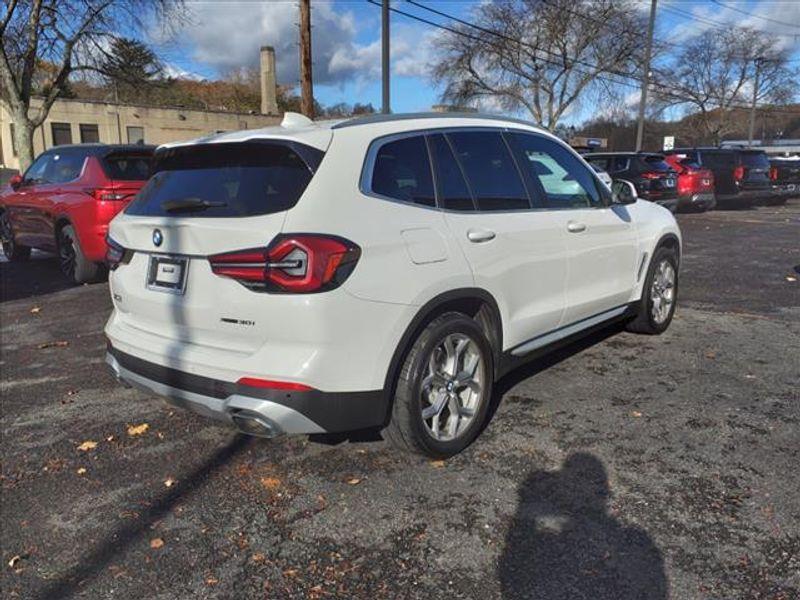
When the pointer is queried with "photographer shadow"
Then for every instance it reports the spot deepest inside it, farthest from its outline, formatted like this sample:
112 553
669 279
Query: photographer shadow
563 543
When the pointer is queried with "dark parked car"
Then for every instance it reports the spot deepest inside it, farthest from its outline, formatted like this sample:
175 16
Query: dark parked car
695 184
654 179
785 176
741 176
65 200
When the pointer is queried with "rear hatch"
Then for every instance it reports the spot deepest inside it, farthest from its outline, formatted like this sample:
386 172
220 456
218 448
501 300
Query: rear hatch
754 170
127 170
786 170
203 200
723 164
657 178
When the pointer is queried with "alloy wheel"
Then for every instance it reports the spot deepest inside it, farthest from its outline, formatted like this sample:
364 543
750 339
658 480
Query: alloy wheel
6 235
662 291
453 386
66 254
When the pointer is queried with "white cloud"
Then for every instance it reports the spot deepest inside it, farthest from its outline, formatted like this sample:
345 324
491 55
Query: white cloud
227 35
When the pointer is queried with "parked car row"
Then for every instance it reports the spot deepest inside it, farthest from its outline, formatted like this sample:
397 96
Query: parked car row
704 178
380 272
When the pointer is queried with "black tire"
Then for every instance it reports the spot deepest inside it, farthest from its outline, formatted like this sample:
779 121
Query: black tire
14 252
74 265
407 430
645 321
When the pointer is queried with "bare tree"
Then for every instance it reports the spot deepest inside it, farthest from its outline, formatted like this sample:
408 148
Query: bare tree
540 56
720 72
68 36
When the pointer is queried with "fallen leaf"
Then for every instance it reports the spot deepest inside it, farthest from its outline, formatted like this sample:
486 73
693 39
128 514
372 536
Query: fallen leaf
353 481
57 344
156 543
258 557
81 471
15 560
87 445
71 392
749 376
636 413
271 483
110 438
138 429
212 581
438 464
36 310
711 354
791 278
169 482
290 572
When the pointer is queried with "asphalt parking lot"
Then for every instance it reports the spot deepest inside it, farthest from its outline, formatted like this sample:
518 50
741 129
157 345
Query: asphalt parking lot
621 467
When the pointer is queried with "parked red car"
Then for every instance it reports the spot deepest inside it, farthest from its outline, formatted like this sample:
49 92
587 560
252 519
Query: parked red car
695 184
65 200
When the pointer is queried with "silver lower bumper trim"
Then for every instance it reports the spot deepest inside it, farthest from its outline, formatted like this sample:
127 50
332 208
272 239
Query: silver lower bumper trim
283 419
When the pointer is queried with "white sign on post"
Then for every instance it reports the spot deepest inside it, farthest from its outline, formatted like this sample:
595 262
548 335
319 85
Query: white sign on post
669 142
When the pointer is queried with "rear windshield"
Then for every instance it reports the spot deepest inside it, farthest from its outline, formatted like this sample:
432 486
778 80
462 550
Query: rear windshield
128 167
224 180
719 159
655 163
756 160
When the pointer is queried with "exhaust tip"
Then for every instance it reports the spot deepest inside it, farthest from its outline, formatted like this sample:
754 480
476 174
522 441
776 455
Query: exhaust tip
253 424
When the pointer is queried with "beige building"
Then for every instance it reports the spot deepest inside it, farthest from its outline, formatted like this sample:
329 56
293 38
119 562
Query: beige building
81 121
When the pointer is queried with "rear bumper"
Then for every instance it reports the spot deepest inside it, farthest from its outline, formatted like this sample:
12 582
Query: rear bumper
704 200
279 411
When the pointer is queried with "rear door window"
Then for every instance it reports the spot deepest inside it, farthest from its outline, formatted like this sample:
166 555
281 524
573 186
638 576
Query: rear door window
566 181
453 191
402 171
490 170
126 166
224 180
619 163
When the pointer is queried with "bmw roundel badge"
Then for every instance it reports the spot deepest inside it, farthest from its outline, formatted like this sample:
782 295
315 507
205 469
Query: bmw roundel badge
158 237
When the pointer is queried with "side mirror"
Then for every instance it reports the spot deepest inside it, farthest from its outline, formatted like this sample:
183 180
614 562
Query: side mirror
15 181
623 192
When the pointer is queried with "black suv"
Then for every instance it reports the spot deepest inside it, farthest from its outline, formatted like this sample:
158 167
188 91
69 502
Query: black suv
654 179
741 176
785 176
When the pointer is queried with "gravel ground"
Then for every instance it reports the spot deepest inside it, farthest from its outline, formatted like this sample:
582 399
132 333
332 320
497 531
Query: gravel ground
621 467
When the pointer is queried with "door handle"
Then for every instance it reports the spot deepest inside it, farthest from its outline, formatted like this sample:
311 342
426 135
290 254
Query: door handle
574 227
480 235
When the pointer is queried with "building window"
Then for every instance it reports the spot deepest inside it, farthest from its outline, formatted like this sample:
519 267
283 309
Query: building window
89 134
13 141
62 133
135 135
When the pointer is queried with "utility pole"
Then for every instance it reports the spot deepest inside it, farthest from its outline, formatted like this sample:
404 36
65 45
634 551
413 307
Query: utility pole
646 78
306 85
755 99
385 107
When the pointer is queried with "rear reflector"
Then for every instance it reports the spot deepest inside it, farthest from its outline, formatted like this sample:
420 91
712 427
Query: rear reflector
274 385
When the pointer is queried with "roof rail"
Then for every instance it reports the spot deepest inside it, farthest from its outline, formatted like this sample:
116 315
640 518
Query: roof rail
386 118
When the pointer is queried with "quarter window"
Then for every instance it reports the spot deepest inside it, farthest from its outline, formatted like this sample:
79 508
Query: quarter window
566 182
403 172
453 191
490 170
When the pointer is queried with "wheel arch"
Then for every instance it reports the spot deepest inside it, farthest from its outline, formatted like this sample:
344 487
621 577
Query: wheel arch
671 241
474 302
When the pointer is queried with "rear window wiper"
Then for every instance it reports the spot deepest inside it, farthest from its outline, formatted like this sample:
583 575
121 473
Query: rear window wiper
190 204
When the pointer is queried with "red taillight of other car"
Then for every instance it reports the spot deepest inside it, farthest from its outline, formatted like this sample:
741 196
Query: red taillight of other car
300 264
109 194
738 173
773 173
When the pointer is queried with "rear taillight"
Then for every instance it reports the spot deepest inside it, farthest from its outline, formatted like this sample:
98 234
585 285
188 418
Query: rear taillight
115 254
107 194
652 175
686 184
738 173
301 264
773 173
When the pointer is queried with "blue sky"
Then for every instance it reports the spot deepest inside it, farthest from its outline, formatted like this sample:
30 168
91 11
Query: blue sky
224 34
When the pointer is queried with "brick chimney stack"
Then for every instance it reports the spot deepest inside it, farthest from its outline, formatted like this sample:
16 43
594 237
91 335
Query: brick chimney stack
269 100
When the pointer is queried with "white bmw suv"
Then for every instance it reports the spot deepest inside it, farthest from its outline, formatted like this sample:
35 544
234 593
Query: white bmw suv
379 272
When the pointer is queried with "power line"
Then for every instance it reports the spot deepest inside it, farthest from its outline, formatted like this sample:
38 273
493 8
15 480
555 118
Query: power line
716 24
596 68
749 14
